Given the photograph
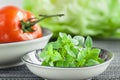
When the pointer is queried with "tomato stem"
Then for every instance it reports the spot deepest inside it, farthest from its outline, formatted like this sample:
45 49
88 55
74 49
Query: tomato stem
27 25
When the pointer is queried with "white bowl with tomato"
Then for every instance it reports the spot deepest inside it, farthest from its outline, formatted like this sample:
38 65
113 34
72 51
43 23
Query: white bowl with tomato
11 52
20 33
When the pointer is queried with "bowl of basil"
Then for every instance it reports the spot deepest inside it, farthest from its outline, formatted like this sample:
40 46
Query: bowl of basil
68 58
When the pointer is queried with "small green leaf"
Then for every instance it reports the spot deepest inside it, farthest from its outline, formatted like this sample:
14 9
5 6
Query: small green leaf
47 58
45 64
93 54
100 60
75 50
43 54
91 62
56 56
69 37
61 35
69 51
51 63
81 55
66 64
88 42
80 40
60 64
50 49
69 58
72 64
56 45
75 42
81 63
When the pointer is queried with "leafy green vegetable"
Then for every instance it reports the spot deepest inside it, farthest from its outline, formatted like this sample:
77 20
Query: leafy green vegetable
98 18
91 62
88 42
71 52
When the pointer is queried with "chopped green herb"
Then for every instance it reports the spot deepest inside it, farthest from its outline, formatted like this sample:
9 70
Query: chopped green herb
71 52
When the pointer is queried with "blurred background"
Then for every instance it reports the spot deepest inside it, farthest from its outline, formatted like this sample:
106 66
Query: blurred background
11 2
99 18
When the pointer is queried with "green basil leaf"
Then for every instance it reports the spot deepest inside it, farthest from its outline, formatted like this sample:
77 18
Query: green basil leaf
93 54
69 58
43 54
91 62
51 63
75 42
69 51
80 40
72 64
81 63
56 56
62 35
88 42
60 64
44 63
82 54
100 60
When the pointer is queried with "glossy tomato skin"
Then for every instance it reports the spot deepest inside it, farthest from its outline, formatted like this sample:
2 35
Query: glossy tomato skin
10 26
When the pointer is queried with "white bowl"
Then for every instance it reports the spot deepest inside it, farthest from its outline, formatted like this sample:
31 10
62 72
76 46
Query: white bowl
55 73
12 51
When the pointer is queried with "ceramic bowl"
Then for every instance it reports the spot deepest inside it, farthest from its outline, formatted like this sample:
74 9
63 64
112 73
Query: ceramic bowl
13 51
54 73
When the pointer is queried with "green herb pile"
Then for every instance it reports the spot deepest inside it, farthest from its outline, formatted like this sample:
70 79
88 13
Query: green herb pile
70 52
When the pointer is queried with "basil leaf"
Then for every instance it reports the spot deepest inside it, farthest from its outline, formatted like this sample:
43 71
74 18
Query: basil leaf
56 56
88 42
69 51
91 62
81 55
80 40
81 63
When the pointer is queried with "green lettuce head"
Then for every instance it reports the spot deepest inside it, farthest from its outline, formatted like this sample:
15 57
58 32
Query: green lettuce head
97 18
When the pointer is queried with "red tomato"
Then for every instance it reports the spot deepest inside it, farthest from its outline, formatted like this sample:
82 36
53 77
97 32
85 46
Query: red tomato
14 26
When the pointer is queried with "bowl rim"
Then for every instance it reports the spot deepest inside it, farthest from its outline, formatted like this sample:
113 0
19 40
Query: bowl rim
29 41
49 67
